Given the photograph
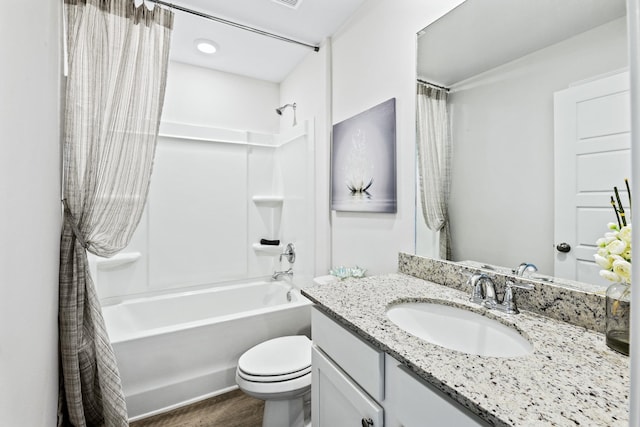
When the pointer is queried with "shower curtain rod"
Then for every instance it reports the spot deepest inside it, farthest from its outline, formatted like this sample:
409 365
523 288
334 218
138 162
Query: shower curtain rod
433 84
233 24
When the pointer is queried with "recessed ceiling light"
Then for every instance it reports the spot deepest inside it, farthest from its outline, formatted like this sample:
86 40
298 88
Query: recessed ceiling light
206 46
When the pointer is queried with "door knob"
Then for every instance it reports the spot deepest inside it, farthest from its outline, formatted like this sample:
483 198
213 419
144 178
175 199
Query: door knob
367 422
563 247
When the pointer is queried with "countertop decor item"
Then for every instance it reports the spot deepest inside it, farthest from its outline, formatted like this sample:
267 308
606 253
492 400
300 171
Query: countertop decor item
614 257
344 272
618 317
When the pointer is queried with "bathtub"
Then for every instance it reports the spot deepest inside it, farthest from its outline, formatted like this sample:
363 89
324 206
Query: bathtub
176 349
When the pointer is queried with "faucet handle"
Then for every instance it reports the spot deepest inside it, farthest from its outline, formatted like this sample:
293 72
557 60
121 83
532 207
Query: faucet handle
477 295
289 253
509 302
519 285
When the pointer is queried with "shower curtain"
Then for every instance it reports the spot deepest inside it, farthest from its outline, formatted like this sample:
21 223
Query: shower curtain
117 61
434 158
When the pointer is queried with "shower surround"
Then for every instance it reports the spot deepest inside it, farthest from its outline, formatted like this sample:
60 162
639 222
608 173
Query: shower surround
215 193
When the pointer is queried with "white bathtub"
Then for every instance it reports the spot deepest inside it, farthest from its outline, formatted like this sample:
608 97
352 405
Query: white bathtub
176 349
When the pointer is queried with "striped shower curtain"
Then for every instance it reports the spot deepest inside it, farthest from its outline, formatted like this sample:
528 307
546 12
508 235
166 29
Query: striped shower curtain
434 161
117 62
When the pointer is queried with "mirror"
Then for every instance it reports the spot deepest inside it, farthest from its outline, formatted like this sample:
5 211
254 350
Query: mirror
502 61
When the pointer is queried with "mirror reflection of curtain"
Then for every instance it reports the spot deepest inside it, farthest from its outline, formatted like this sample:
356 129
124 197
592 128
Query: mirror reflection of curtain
115 89
434 159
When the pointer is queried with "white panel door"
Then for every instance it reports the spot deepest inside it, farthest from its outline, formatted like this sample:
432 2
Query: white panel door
336 400
592 155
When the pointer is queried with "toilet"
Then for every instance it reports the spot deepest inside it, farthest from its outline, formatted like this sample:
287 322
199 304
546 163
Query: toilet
278 371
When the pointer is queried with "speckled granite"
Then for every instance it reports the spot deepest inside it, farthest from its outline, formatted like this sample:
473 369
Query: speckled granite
571 378
569 301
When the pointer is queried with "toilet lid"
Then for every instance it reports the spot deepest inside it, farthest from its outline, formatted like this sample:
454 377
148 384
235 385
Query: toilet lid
278 356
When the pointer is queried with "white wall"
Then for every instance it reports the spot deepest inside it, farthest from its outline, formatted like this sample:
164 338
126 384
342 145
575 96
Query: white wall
30 224
200 96
374 59
501 205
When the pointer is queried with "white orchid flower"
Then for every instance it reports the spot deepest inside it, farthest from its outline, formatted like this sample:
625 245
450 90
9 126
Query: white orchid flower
611 236
610 275
613 250
603 262
623 269
625 234
617 247
601 242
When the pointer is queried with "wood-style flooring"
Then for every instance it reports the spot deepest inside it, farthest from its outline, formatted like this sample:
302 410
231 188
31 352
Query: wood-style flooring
233 409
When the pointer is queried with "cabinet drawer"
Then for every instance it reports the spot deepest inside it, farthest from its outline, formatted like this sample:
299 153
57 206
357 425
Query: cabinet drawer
412 402
336 400
364 363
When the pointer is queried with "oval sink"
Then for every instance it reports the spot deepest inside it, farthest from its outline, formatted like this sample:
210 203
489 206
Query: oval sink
459 329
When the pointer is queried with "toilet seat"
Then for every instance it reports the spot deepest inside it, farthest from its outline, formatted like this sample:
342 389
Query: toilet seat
273 378
278 359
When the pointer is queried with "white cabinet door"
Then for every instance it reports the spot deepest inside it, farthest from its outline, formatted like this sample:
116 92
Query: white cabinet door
336 400
364 363
592 155
411 402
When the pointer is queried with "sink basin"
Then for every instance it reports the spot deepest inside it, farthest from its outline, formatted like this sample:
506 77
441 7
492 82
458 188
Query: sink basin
459 329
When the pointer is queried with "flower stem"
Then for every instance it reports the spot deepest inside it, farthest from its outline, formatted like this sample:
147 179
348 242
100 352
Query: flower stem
626 182
620 208
613 203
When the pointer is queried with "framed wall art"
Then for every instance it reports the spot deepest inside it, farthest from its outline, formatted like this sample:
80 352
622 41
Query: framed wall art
363 161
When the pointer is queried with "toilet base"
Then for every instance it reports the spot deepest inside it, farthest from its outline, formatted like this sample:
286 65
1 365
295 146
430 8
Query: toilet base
279 413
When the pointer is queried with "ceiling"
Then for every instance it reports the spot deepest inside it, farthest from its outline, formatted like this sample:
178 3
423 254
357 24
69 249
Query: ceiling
479 35
249 54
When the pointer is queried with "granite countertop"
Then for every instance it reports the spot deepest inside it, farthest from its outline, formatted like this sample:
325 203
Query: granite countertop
572 378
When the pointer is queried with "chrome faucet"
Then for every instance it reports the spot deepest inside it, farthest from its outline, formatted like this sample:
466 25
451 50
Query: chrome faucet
483 292
277 274
290 255
523 268
477 295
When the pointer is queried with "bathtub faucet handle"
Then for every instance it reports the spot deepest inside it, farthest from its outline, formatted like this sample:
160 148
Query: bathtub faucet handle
289 253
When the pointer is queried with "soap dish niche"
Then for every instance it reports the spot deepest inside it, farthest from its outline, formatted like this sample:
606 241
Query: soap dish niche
268 200
268 249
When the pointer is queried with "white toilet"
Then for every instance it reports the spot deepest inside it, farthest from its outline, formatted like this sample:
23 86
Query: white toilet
278 371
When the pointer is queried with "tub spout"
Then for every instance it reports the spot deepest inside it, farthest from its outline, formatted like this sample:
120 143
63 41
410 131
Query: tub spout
277 274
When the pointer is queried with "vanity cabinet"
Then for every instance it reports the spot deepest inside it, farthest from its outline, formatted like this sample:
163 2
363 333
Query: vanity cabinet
355 384
411 402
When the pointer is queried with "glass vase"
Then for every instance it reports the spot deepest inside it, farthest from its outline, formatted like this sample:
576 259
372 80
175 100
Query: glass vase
618 302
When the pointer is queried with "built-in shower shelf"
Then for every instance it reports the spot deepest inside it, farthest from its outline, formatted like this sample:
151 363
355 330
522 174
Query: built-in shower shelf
117 260
268 249
273 201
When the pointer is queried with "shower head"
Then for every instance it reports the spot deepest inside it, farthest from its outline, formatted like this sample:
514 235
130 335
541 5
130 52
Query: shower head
284 107
281 109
